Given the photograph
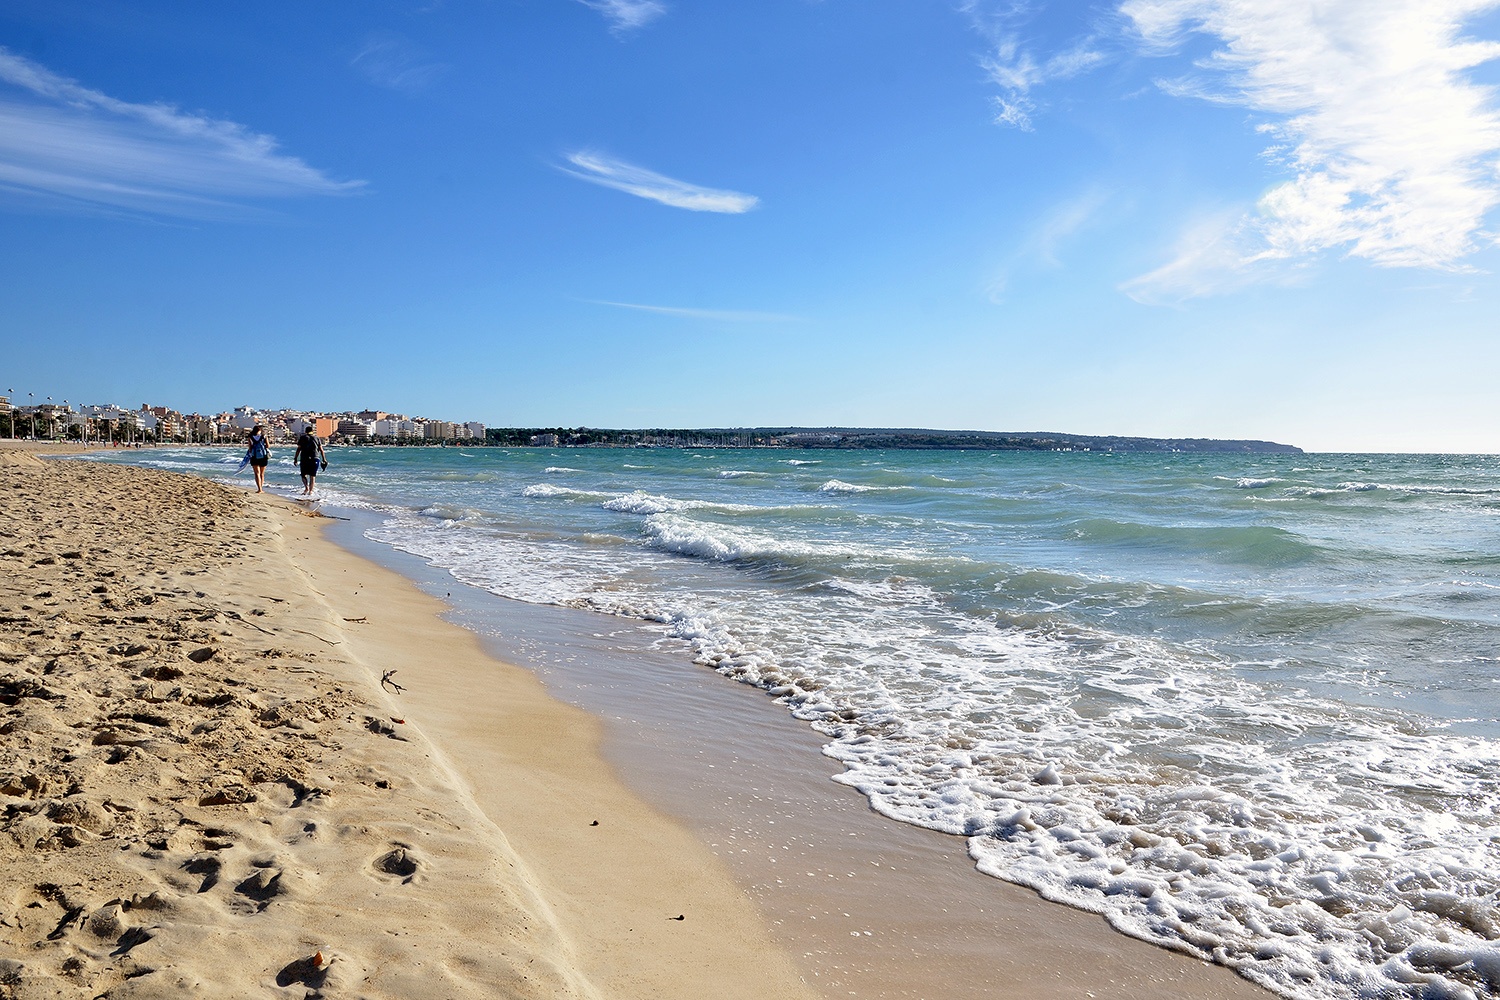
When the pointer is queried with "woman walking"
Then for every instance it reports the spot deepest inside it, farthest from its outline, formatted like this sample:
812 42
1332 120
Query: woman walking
258 454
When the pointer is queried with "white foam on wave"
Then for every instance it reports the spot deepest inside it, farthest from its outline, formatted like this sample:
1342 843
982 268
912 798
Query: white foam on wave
673 532
1419 488
545 491
539 571
554 470
645 503
336 497
839 486
1251 483
738 474
803 461
641 502
1415 489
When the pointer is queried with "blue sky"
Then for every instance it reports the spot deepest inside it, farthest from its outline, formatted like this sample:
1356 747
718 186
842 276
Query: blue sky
1227 218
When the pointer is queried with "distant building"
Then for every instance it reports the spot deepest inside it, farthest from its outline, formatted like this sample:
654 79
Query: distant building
475 429
356 429
370 416
198 427
544 440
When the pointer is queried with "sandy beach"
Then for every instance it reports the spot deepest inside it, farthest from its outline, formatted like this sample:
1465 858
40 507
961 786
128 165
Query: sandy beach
239 760
208 792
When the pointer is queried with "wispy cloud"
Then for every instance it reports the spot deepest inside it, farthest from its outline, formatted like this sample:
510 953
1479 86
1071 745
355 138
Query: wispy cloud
1394 151
69 145
609 172
1016 71
394 62
720 315
1011 63
1044 243
1213 255
627 15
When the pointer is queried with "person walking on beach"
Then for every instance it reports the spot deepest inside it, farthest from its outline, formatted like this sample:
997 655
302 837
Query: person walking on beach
258 454
309 457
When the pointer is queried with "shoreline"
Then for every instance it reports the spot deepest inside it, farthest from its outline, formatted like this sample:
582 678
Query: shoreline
867 905
440 840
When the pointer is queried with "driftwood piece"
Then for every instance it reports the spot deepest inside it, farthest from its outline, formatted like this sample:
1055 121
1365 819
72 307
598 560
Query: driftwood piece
243 621
331 642
385 681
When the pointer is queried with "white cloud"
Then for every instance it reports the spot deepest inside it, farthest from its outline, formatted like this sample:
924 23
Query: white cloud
1011 65
1394 151
70 145
608 172
627 15
721 315
1015 112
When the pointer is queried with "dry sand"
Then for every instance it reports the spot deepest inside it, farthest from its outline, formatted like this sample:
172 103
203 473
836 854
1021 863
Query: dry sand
207 791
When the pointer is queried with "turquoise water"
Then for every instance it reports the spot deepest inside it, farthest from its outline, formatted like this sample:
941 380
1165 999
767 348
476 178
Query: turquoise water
1243 706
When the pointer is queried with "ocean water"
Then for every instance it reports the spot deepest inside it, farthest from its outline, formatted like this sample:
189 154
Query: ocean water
1247 707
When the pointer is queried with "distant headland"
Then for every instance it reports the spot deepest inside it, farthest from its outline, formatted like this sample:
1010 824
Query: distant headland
866 438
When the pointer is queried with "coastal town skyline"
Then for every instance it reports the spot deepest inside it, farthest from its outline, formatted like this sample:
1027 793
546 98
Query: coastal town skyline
67 420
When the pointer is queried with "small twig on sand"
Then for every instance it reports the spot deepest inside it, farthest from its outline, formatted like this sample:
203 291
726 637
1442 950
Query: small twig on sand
385 681
241 619
315 635
356 619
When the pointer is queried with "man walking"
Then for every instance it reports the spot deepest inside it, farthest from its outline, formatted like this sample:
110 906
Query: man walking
309 458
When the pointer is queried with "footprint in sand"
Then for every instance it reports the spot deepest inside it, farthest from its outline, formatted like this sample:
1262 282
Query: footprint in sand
401 863
262 886
206 865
